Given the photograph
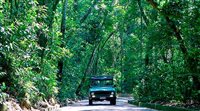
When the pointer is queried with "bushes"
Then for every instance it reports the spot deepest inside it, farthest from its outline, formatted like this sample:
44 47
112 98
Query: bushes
164 84
28 73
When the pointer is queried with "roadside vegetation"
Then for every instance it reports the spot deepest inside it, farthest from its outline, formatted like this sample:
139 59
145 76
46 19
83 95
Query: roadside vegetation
49 49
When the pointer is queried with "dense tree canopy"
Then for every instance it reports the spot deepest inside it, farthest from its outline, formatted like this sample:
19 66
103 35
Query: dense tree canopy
49 48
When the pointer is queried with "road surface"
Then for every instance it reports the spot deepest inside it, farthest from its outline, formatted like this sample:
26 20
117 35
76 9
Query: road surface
121 105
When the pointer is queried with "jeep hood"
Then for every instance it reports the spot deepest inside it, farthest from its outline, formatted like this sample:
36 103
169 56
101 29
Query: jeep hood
94 89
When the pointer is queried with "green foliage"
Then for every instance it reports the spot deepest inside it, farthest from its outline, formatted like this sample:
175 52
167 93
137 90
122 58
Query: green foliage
160 107
24 84
30 71
2 87
138 45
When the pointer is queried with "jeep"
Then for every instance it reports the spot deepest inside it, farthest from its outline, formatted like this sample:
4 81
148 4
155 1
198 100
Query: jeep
102 88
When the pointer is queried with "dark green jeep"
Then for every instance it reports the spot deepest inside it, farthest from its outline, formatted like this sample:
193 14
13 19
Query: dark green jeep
101 89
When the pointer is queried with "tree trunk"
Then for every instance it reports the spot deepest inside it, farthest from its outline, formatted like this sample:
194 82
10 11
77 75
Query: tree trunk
86 70
121 61
40 34
146 20
62 30
63 22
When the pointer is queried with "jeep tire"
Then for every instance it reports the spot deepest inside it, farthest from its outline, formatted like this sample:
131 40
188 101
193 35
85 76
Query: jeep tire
90 102
113 101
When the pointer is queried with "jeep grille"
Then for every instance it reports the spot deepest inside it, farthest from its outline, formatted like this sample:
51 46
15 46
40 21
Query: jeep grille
102 93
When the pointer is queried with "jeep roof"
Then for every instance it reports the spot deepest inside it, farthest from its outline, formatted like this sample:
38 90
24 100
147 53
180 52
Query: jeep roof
101 77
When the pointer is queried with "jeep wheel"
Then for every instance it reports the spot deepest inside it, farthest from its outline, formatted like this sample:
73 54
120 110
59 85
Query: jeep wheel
113 102
90 102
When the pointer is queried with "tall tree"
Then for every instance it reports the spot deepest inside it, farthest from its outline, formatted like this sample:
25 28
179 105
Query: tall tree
63 29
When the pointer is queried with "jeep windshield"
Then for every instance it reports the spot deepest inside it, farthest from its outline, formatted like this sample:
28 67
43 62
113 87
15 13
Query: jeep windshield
101 83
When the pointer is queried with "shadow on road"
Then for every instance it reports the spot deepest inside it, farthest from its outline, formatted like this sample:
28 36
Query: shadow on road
100 105
122 105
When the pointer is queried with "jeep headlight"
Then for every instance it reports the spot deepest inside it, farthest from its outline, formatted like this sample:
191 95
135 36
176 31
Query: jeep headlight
112 93
92 93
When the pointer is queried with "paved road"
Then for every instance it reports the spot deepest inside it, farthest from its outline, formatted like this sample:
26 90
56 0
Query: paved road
122 105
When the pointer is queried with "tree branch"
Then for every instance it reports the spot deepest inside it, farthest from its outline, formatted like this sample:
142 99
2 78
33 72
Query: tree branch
173 27
88 12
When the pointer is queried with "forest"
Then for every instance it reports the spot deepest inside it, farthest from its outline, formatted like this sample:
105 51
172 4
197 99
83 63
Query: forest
50 48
